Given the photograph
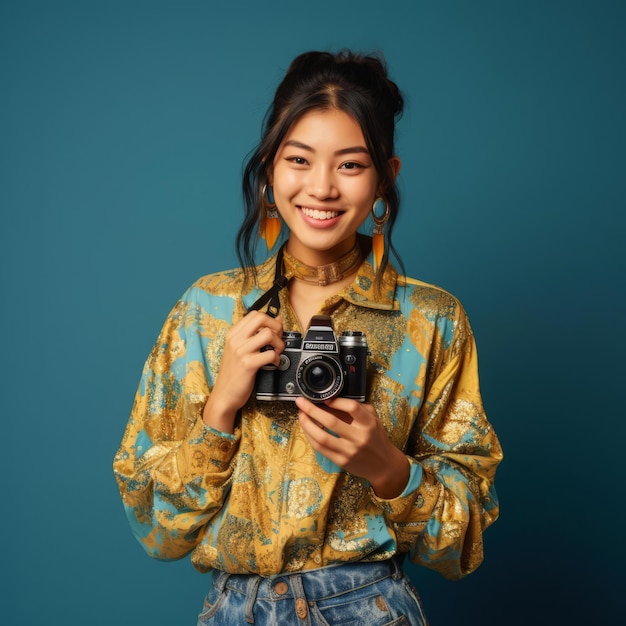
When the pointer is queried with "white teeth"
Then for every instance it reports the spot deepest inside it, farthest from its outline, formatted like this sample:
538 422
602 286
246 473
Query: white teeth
319 215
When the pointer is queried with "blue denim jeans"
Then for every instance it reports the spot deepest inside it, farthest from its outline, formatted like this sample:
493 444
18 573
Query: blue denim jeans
353 594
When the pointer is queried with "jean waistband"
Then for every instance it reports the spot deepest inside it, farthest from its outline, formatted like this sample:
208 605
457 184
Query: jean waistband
316 584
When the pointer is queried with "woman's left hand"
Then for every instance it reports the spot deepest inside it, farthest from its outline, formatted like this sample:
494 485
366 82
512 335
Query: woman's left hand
349 434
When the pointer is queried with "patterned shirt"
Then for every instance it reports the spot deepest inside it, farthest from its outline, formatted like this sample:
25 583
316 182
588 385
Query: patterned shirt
262 500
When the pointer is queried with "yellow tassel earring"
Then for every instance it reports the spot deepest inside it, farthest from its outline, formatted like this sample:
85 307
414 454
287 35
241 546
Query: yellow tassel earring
378 235
270 222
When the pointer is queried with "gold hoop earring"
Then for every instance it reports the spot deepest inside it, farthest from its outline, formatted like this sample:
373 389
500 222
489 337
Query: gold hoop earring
270 221
378 234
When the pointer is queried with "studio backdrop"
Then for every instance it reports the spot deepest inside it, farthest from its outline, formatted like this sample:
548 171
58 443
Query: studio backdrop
124 126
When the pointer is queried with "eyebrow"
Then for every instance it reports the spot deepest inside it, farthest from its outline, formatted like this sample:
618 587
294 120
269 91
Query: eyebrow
351 150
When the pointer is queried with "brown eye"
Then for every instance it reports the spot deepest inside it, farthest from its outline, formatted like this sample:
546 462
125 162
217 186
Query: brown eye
297 160
351 165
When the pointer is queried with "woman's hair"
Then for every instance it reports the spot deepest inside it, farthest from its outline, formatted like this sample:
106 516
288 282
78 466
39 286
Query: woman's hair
353 83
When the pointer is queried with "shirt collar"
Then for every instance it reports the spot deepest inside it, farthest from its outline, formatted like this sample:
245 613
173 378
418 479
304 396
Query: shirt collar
361 291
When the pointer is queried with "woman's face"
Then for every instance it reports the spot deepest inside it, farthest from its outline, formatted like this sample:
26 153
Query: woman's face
324 183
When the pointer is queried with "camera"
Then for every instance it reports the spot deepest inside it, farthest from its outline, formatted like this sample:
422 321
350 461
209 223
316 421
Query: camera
318 367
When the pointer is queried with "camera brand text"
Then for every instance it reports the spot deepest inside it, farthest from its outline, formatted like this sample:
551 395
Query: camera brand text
326 347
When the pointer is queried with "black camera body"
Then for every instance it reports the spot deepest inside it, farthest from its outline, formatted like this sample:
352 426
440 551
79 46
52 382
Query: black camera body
319 367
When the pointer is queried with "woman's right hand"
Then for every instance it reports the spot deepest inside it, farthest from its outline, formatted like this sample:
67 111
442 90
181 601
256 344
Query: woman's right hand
242 358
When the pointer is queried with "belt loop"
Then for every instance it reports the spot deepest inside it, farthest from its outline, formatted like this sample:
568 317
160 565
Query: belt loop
220 580
397 560
251 591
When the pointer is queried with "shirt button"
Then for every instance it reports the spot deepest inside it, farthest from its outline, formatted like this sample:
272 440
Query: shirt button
281 588
224 446
317 558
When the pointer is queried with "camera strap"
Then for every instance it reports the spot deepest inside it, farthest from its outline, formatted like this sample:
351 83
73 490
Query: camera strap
271 297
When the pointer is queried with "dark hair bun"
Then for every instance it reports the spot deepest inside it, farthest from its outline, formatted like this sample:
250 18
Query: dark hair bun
365 73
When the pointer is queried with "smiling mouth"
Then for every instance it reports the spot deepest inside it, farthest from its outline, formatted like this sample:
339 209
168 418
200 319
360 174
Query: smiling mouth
316 214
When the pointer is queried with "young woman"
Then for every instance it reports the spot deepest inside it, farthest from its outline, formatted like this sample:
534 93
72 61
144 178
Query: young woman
299 473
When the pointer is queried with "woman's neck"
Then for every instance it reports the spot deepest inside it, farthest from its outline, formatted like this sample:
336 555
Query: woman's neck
316 257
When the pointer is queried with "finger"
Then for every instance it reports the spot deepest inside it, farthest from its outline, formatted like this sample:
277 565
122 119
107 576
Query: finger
259 319
255 321
251 334
322 438
265 337
340 415
273 323
256 360
346 406
361 412
322 415
305 405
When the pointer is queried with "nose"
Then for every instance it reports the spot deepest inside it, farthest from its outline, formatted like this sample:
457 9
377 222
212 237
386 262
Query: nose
321 183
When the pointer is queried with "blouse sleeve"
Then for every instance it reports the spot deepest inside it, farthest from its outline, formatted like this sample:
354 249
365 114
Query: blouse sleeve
172 470
453 451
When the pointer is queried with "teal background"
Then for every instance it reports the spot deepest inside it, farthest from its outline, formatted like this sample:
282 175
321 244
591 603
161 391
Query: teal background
123 127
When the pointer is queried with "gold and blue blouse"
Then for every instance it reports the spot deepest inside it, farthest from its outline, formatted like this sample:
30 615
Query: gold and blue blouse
262 500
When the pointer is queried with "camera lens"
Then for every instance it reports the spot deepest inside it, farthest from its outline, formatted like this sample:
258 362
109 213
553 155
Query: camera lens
320 377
